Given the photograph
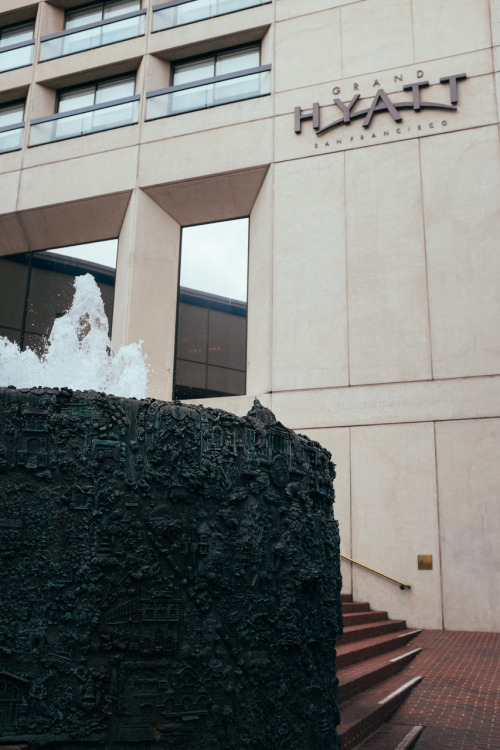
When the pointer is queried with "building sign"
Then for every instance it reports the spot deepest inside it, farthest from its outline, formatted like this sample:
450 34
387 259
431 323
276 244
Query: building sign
381 102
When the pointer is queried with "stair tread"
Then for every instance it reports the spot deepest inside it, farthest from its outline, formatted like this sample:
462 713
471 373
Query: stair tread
368 625
355 607
343 648
353 671
360 706
373 614
392 736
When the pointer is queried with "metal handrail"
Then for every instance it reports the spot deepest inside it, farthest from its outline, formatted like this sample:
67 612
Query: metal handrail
401 585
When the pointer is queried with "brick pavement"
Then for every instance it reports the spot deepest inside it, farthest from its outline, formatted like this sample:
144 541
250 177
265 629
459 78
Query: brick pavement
458 701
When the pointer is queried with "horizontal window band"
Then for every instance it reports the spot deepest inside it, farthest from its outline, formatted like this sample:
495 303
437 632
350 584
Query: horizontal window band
84 110
18 45
90 26
207 81
17 126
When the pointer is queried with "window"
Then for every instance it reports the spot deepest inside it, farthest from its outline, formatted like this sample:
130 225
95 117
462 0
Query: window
89 14
95 25
36 288
180 12
89 109
11 126
210 355
219 78
16 46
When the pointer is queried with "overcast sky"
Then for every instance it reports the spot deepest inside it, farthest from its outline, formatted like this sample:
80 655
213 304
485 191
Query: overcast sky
214 257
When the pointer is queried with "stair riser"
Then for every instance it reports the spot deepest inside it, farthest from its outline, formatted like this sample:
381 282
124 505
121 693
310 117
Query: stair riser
391 626
348 607
367 652
368 724
361 618
366 681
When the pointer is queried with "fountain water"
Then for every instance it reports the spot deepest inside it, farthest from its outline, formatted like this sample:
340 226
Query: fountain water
79 354
170 573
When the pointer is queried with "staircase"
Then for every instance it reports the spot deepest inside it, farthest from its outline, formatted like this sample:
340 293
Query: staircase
371 657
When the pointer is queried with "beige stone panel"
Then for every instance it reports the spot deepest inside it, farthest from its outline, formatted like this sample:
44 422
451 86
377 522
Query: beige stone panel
72 180
157 73
74 223
395 519
13 5
467 454
13 238
496 59
118 140
236 113
222 150
43 101
212 34
91 65
476 107
461 188
51 19
337 441
145 301
387 297
392 81
286 9
13 80
376 34
213 198
449 27
10 164
307 50
309 298
9 184
461 398
260 291
495 21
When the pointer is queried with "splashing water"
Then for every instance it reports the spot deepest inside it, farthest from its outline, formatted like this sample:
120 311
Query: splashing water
79 354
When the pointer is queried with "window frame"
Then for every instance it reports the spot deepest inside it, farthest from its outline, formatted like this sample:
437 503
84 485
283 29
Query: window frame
21 103
58 115
175 3
95 85
243 73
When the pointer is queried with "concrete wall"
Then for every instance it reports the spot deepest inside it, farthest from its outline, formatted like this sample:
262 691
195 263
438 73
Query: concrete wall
373 268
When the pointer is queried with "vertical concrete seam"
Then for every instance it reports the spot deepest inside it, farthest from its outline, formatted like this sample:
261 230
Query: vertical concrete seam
350 512
426 263
441 587
341 45
412 17
348 341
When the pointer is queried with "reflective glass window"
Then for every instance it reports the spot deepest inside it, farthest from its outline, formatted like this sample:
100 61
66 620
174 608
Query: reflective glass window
20 32
36 288
96 12
11 114
96 93
218 63
212 311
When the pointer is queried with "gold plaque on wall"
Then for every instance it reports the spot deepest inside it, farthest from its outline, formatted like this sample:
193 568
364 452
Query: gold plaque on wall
425 562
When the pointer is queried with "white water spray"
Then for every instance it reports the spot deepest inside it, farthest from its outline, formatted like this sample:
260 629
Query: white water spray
79 354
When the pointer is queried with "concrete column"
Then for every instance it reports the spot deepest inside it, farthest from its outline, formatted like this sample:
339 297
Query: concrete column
146 288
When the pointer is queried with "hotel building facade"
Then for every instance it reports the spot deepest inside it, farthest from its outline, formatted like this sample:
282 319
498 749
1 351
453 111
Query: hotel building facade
360 140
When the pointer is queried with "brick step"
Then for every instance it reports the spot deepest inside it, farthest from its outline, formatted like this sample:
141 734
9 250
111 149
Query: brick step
369 630
346 597
364 675
363 714
360 618
355 607
392 737
357 651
